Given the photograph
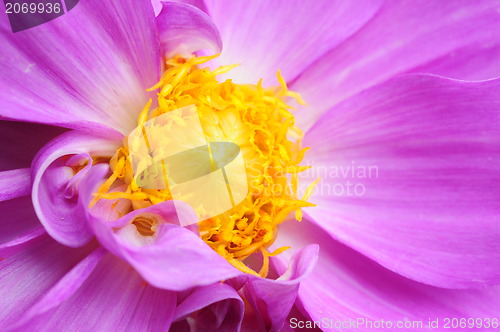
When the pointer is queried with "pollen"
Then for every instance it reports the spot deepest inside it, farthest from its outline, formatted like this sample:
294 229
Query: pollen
260 121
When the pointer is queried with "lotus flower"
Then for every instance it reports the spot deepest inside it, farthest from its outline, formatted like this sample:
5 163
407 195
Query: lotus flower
401 121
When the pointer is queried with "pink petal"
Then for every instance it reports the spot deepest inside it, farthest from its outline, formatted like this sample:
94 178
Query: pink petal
402 37
185 29
113 298
478 61
429 206
175 259
298 315
91 65
64 288
55 192
272 300
345 285
216 307
158 4
22 240
265 36
15 183
18 218
27 271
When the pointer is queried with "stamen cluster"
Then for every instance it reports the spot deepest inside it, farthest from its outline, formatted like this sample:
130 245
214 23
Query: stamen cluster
259 121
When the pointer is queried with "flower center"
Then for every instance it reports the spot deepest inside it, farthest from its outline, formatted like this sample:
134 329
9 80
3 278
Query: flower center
259 122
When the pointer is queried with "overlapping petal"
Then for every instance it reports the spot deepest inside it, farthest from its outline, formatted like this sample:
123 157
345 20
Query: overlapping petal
113 297
14 183
286 35
421 154
55 184
175 259
64 288
91 65
477 61
346 286
431 212
158 4
451 38
217 307
30 269
184 29
272 300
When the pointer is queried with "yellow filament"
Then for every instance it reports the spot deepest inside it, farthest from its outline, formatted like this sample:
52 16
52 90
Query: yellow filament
260 122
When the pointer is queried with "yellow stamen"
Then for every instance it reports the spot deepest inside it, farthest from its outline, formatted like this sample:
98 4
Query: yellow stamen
259 121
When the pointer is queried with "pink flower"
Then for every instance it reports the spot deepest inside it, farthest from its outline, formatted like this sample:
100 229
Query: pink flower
403 125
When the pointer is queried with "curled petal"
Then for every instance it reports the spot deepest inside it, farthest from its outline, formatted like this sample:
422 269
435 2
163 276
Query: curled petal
55 192
174 258
158 4
218 307
272 300
185 29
